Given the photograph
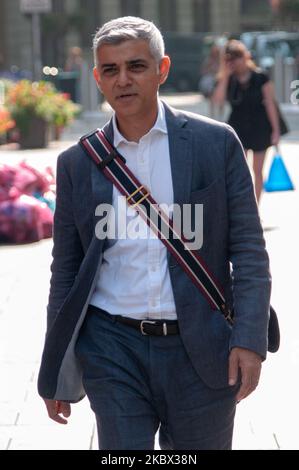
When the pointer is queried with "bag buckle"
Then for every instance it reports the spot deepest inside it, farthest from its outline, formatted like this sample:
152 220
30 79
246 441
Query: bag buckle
141 198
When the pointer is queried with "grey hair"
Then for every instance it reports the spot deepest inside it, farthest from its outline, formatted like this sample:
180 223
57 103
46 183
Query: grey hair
126 28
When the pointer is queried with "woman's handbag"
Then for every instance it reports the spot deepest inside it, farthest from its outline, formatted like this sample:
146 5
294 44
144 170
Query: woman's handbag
278 178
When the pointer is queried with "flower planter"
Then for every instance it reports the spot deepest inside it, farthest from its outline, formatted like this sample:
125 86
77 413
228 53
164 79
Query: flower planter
36 135
35 107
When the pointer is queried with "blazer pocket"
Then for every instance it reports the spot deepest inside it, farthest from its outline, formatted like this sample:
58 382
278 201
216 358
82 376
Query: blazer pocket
213 225
213 190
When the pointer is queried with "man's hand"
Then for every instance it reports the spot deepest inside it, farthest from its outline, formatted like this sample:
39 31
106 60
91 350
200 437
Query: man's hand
55 408
250 364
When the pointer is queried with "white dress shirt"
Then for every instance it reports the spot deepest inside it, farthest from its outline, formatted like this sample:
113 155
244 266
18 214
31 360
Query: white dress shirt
134 279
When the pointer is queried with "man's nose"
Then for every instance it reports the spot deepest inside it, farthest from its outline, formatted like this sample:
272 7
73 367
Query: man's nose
123 78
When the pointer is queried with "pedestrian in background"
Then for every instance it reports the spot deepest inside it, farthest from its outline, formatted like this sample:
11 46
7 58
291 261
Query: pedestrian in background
208 80
126 325
255 115
74 65
74 60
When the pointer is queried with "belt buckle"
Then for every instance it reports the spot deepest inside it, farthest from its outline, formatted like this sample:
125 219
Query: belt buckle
142 323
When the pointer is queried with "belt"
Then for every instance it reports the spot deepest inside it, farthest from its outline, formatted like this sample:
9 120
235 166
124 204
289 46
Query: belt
146 327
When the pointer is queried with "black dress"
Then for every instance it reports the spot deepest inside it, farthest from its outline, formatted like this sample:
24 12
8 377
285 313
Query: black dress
249 117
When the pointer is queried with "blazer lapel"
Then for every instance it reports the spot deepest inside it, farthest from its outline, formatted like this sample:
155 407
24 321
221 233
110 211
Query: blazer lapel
180 149
102 188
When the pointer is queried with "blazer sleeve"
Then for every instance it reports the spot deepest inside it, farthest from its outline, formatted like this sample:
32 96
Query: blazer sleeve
251 278
67 249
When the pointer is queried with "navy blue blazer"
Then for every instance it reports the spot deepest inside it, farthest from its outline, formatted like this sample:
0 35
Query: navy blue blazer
208 167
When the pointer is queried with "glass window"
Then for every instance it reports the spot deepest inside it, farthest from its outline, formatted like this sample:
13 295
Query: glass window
254 7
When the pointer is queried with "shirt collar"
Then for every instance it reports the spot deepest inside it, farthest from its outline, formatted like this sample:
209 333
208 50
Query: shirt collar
159 126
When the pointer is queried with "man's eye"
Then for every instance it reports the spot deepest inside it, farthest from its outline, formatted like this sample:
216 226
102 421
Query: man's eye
137 67
111 71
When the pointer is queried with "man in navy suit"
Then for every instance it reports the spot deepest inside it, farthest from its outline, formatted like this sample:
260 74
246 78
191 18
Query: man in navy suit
126 325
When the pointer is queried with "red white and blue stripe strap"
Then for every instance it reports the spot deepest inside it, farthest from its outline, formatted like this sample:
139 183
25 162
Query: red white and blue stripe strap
112 164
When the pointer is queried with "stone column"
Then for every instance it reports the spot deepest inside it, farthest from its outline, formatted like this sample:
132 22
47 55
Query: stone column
149 10
225 16
184 16
17 37
110 9
72 37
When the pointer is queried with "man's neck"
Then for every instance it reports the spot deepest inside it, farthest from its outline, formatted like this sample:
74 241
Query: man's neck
133 129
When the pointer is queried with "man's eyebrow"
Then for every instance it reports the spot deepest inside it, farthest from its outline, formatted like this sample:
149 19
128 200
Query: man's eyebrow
108 65
136 61
129 62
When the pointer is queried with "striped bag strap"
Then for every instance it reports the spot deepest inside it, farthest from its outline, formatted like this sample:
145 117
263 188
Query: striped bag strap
114 167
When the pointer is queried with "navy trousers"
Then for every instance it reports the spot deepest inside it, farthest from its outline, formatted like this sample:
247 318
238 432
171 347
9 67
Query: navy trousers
138 384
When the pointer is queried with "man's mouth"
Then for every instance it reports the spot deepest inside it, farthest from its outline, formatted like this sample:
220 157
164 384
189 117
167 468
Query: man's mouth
126 95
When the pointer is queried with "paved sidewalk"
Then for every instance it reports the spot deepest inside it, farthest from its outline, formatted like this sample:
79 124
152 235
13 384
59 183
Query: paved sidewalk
24 279
269 418
266 420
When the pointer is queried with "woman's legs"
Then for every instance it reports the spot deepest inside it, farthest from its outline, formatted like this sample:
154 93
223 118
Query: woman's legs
258 165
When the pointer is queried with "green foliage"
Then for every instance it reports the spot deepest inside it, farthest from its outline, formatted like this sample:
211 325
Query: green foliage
26 99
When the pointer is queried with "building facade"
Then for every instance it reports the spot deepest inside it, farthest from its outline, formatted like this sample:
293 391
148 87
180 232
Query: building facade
73 22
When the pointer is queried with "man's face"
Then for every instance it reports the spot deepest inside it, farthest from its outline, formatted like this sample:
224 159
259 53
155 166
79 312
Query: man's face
129 77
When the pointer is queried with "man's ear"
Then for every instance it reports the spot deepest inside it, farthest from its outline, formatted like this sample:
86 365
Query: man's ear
164 67
97 78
